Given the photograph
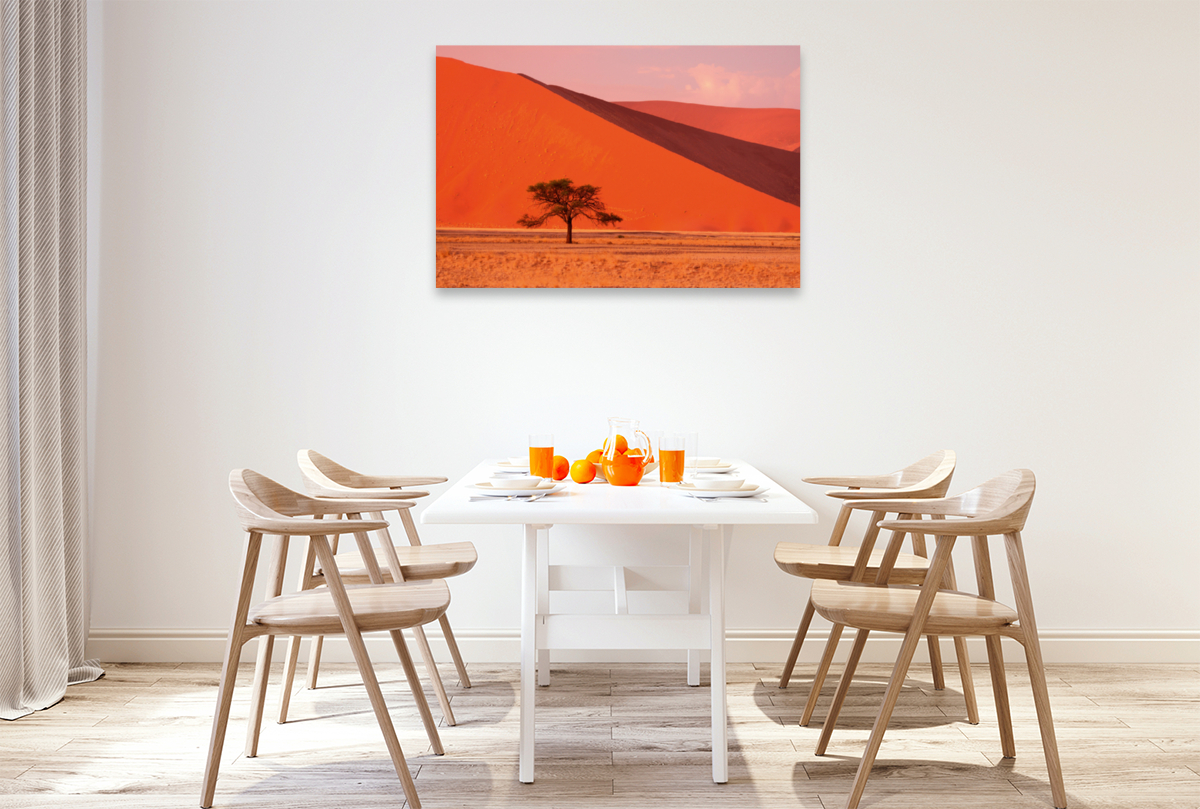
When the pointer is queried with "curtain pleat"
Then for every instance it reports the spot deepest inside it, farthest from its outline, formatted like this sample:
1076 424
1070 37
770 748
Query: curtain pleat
43 570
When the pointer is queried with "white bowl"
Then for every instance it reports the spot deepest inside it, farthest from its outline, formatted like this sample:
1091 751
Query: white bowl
519 461
518 482
722 483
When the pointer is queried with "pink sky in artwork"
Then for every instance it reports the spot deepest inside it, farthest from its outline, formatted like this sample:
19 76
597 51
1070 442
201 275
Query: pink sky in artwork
722 75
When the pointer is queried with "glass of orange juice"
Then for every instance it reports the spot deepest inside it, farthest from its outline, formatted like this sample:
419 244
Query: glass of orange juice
541 454
671 448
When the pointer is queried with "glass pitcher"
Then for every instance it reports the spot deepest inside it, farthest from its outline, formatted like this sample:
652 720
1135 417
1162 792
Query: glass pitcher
628 453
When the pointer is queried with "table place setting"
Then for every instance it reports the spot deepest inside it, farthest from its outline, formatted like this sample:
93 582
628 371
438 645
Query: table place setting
526 488
708 466
719 487
511 466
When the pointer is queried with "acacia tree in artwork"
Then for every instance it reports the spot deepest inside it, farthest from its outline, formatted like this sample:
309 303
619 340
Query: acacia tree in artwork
566 201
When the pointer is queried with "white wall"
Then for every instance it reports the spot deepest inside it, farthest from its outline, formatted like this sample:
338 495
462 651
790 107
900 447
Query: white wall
1000 256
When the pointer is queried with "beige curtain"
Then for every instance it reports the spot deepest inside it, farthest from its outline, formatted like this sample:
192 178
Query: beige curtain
43 571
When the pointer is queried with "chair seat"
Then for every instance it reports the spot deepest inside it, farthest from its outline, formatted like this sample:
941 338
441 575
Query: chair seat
376 607
837 563
417 562
889 608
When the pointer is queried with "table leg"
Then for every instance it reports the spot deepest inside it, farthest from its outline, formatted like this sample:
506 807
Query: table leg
695 565
716 608
543 599
529 598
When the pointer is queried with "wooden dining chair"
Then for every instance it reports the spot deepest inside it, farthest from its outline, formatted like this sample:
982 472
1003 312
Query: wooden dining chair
997 508
268 509
928 477
406 563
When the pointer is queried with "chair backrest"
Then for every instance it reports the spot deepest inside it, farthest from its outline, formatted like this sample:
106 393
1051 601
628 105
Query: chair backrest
999 506
260 500
266 507
935 468
324 477
1003 501
326 472
928 477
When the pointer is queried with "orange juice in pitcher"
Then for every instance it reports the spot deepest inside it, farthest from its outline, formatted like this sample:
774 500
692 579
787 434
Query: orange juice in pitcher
628 453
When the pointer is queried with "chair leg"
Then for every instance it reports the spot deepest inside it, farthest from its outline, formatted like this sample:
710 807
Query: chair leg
1041 701
435 677
968 682
367 672
964 658
835 634
262 666
839 697
374 693
314 661
233 651
1037 669
293 650
790 663
464 680
935 662
414 684
289 676
1008 742
220 722
935 647
258 694
912 638
895 685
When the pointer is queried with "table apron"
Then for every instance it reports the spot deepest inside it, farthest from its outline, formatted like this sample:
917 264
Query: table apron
624 632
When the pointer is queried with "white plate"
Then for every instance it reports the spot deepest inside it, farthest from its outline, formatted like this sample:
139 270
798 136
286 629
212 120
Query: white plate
497 488
509 466
747 490
709 470
708 465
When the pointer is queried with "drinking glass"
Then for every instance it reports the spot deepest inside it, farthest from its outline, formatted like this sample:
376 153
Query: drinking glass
671 455
541 454
691 449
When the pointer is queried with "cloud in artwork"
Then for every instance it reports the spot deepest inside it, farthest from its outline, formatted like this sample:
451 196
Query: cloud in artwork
713 84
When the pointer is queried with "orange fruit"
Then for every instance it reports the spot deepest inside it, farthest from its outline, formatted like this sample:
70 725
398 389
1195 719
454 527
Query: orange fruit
634 451
583 471
559 467
622 444
594 455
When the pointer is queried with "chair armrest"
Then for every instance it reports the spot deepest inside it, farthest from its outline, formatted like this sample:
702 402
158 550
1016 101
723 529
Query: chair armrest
348 505
879 494
855 481
309 528
397 481
949 528
915 505
360 494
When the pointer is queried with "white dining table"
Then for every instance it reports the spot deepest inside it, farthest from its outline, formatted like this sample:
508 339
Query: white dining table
649 503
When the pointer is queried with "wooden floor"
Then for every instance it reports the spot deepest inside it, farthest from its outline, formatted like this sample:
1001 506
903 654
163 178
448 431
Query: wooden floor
610 736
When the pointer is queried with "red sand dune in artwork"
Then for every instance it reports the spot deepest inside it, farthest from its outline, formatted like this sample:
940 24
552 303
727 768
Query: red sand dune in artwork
764 168
498 133
770 126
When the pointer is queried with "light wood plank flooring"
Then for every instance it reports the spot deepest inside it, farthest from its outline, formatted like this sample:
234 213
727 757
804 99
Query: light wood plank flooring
610 736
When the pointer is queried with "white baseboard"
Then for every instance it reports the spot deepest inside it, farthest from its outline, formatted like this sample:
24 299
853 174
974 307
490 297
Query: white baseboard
742 646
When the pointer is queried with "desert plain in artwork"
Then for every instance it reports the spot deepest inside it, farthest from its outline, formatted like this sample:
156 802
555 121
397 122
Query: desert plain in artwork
542 181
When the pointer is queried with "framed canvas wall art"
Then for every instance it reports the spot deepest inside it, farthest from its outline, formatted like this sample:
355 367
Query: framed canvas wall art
598 166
